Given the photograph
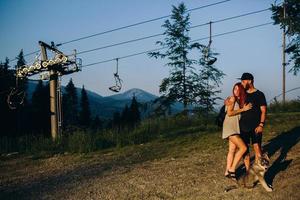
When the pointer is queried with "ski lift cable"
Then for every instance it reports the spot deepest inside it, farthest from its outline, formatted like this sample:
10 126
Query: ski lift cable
204 38
117 60
210 31
160 34
25 55
297 88
139 23
234 17
138 39
123 57
234 31
121 43
200 39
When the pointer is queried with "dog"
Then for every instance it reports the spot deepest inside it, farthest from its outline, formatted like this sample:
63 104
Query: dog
254 175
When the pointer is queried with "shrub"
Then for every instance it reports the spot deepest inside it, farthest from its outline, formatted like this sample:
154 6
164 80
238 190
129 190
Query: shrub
77 140
80 142
288 106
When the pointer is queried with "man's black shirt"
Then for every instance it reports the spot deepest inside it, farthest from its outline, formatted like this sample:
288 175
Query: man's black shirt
251 118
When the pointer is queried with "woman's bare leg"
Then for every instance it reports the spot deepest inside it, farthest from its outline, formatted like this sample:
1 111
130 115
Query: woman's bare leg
235 139
230 155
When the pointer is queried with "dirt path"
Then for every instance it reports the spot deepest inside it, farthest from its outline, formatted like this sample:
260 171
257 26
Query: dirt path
182 170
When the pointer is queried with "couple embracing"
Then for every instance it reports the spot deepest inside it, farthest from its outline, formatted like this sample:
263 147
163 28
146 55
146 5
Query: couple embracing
243 123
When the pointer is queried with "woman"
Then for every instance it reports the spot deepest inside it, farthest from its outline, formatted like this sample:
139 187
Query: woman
231 129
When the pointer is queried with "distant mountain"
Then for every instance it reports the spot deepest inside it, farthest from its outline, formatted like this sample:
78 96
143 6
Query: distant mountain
105 107
32 85
116 103
93 97
141 95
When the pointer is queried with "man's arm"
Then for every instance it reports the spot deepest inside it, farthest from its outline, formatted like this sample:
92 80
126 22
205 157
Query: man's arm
263 110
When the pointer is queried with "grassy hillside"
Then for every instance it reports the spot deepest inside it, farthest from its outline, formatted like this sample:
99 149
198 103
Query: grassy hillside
181 164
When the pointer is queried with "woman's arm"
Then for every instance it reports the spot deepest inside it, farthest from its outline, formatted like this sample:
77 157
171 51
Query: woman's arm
231 112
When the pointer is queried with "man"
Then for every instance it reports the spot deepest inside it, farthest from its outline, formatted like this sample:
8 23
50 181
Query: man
252 121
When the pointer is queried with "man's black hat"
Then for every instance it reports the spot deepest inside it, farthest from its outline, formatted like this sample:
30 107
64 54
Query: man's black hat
247 76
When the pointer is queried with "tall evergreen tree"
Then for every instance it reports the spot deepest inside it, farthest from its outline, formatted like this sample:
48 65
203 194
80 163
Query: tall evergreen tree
116 122
70 105
125 116
179 85
206 90
21 60
134 113
23 117
7 81
22 83
291 22
162 107
41 108
85 113
185 83
97 123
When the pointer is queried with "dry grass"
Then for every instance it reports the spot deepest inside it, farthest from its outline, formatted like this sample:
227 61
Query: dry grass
184 167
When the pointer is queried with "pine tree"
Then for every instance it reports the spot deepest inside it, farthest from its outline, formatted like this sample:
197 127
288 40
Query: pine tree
41 108
7 81
70 105
116 122
179 85
125 117
23 116
85 113
21 60
191 81
162 107
97 123
292 23
205 91
134 113
21 82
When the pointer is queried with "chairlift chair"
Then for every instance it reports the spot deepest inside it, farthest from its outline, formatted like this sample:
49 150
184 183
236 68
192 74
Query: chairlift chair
118 86
15 98
209 60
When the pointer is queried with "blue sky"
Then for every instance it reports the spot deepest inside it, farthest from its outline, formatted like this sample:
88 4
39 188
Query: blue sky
25 22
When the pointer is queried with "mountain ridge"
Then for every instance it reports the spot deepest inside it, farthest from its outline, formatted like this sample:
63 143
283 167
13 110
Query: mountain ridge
105 106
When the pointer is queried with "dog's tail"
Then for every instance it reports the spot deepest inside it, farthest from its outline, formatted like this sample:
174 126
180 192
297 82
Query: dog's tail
231 187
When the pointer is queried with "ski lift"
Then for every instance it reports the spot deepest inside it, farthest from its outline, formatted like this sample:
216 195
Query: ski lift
117 87
209 60
16 97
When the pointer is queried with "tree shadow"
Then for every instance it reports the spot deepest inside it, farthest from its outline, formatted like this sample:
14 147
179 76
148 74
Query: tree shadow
283 143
